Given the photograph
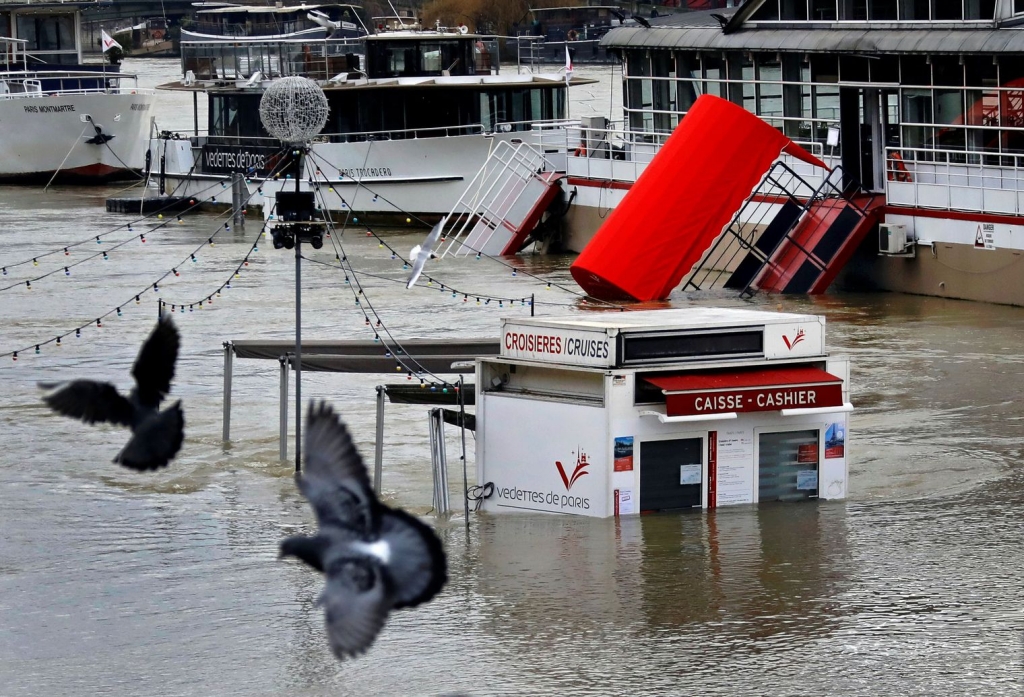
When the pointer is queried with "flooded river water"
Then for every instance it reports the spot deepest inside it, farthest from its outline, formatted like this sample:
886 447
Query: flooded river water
113 583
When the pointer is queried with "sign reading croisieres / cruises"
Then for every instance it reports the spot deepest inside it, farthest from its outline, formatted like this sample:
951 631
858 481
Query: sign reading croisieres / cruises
552 345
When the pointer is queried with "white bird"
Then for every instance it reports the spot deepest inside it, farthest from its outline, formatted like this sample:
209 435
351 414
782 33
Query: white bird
254 79
376 558
323 20
421 252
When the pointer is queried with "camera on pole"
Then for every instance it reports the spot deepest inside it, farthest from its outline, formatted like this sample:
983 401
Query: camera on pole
298 220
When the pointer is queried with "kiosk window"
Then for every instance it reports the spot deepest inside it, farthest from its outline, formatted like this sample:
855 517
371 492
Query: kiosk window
670 474
787 466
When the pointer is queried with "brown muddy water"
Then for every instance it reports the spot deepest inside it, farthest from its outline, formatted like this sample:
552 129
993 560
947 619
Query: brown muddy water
113 583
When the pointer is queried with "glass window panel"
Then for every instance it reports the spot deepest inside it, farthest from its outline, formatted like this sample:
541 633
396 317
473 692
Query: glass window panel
823 10
883 10
917 106
983 108
948 9
949 106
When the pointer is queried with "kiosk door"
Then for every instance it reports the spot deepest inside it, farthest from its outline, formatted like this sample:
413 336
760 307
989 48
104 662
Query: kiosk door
787 466
671 474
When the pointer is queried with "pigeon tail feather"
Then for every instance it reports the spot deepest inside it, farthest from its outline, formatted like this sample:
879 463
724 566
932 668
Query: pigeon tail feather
155 441
417 567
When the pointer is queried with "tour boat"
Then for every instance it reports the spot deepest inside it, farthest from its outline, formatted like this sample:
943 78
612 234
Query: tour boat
64 120
411 121
227 22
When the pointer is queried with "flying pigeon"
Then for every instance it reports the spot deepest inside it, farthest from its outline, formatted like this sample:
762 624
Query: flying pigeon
376 559
421 252
156 435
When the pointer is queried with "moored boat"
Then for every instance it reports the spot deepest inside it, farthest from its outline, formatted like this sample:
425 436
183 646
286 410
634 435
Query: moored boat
64 120
916 106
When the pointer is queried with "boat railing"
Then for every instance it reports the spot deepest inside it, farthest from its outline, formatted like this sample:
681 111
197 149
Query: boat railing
617 153
318 59
48 83
945 179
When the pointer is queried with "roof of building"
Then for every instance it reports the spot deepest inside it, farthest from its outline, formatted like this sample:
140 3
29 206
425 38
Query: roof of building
700 30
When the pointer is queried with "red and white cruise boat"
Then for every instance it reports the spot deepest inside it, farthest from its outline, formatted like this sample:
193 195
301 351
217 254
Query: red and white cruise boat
63 120
920 105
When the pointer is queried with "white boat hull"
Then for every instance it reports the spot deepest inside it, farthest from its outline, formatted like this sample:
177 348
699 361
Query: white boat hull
46 135
382 180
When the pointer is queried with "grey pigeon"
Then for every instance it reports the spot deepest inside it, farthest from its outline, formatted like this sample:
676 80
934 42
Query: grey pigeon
376 558
156 435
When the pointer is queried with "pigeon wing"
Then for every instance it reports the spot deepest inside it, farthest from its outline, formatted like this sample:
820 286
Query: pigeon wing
423 252
90 401
155 441
309 549
154 367
334 479
417 567
356 605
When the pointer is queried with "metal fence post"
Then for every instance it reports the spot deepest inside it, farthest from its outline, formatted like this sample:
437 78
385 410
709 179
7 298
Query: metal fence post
283 437
229 369
378 448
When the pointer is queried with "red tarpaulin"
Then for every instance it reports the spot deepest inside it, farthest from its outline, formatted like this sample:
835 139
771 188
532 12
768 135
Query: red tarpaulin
682 202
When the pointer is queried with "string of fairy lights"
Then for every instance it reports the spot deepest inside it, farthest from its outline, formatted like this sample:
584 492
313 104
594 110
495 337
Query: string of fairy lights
155 287
479 254
391 346
98 239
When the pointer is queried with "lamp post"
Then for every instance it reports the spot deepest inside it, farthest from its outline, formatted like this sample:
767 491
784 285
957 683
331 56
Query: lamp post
294 110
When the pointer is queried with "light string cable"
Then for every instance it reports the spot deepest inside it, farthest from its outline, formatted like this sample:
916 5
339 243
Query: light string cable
154 286
105 252
479 253
406 262
195 202
392 346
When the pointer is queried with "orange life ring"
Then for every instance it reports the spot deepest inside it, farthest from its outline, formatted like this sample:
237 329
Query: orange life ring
581 151
573 35
898 171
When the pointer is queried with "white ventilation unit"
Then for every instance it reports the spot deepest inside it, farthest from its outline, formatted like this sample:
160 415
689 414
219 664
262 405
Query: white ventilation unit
893 240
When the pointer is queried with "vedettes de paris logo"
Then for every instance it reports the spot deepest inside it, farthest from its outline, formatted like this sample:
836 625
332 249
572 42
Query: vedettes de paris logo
790 343
579 471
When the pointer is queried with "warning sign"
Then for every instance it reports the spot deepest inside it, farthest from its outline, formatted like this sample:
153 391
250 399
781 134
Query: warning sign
985 237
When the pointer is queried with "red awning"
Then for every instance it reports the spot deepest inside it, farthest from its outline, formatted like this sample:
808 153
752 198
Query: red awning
764 389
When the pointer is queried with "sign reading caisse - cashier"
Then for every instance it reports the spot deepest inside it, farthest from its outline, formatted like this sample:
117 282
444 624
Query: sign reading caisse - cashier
557 346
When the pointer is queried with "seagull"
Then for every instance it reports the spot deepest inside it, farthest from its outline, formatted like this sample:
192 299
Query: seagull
376 559
421 252
642 22
254 79
156 435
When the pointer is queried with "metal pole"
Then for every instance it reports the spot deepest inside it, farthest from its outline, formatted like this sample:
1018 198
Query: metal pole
159 309
283 429
378 448
238 198
229 369
298 354
298 330
533 302
195 113
465 474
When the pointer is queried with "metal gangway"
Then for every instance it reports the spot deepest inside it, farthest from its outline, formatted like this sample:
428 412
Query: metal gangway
503 203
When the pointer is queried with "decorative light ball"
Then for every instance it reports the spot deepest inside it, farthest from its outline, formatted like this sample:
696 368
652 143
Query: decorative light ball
293 109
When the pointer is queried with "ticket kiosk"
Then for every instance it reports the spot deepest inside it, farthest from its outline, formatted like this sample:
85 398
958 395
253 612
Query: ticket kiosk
628 412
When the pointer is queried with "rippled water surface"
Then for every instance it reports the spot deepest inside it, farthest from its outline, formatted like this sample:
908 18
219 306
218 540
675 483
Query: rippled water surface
113 583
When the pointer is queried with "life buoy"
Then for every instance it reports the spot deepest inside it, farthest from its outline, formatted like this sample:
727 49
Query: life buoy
581 151
573 35
898 169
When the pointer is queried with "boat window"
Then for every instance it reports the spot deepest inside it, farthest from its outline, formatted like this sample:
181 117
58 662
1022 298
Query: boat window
430 58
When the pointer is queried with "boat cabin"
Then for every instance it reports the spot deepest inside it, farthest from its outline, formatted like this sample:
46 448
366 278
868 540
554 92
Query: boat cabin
46 32
319 20
623 413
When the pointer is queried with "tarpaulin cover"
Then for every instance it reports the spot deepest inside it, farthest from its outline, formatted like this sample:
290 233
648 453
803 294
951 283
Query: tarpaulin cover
682 202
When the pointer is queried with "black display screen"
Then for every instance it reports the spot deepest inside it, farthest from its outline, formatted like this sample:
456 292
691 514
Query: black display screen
668 346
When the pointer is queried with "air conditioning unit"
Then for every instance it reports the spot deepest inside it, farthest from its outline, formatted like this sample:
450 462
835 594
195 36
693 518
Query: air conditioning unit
893 240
